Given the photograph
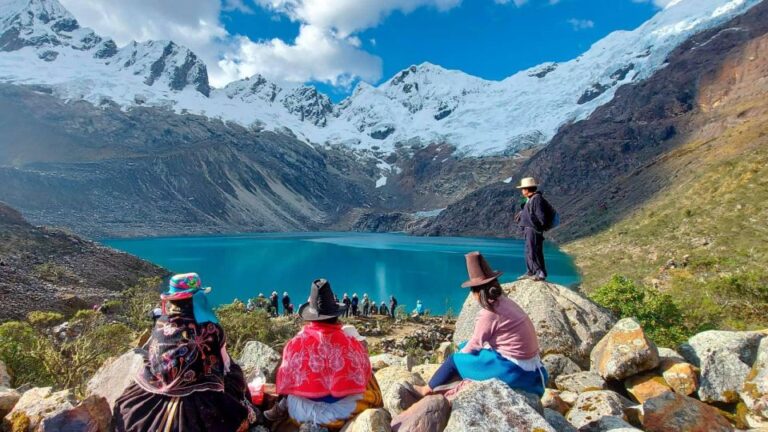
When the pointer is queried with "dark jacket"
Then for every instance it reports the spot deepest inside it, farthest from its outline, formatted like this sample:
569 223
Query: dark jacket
533 215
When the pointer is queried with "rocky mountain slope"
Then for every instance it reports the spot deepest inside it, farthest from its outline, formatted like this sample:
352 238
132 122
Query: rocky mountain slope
666 183
42 43
45 269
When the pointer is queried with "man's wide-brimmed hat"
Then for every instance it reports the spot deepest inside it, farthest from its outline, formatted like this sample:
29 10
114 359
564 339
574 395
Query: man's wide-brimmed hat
528 182
182 286
480 273
322 303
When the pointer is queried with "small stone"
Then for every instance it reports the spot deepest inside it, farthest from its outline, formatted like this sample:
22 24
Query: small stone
427 415
580 382
425 371
624 351
724 359
370 420
558 364
8 399
569 397
683 377
645 386
668 353
672 412
593 405
259 358
115 376
553 401
557 421
444 351
5 377
492 405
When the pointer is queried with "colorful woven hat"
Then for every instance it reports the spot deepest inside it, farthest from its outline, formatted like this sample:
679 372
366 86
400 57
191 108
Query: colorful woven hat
183 286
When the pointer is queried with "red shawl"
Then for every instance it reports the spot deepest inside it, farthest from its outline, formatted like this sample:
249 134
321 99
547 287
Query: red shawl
323 361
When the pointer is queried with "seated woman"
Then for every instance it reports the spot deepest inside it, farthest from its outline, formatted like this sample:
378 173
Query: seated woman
188 382
326 373
504 343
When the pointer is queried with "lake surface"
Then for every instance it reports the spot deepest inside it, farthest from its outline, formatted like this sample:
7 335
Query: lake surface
430 269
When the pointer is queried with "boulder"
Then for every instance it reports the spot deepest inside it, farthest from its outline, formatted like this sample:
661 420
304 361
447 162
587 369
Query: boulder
425 371
381 361
396 388
668 353
558 364
724 359
754 393
370 420
5 377
8 399
580 382
645 386
444 351
566 322
92 415
493 406
558 421
609 424
35 405
624 351
552 400
427 415
115 376
259 359
683 377
672 412
593 405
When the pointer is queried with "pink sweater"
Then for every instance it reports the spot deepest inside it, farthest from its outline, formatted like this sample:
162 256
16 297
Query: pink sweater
507 330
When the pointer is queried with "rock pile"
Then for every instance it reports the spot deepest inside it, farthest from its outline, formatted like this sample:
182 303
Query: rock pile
612 378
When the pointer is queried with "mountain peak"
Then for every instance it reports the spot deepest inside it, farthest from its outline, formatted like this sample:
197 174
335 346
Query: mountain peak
41 24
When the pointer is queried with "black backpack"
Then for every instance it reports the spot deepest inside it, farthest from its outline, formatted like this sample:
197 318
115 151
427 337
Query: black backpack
551 216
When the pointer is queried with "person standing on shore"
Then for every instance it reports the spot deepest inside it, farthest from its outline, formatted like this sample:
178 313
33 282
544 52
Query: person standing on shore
392 305
286 304
366 305
536 216
355 305
273 302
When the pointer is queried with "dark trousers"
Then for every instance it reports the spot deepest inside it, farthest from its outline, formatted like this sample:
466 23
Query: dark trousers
534 253
447 372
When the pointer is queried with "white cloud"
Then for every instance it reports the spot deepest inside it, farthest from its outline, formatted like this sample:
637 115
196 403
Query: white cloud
581 24
317 54
516 2
659 3
348 16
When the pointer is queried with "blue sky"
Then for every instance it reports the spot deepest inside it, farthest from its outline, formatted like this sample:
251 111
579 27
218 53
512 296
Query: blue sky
335 43
480 37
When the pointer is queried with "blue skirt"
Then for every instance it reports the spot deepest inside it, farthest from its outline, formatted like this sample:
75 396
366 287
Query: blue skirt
488 364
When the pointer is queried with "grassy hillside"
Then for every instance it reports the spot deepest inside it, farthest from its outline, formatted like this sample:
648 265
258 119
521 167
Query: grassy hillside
703 238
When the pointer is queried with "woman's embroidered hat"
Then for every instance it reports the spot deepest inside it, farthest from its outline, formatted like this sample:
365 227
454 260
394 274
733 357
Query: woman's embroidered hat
480 273
322 304
183 286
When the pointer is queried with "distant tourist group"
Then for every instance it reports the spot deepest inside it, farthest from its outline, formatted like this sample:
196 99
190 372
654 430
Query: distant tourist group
190 383
354 305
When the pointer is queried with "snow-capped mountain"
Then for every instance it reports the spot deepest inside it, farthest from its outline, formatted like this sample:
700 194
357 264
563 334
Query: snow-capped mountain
42 43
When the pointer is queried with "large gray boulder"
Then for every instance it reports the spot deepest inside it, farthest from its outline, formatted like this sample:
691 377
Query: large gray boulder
566 322
558 364
258 358
35 406
580 382
92 415
594 405
115 376
672 412
493 406
430 414
558 421
396 384
725 359
624 351
754 393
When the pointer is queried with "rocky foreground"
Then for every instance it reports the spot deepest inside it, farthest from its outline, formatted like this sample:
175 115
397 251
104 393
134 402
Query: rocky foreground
605 375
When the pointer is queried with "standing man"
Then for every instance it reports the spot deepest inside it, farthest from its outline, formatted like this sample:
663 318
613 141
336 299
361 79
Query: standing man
534 219
273 302
392 305
286 303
